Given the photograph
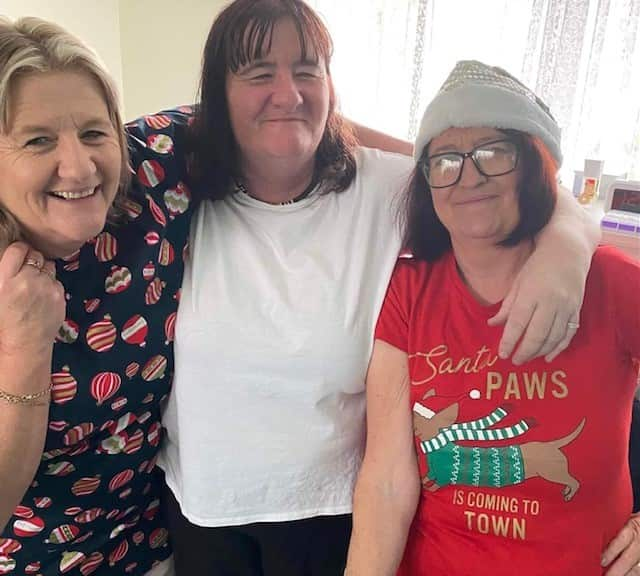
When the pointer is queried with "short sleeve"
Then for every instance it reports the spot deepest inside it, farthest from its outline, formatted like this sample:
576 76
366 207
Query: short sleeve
393 321
157 152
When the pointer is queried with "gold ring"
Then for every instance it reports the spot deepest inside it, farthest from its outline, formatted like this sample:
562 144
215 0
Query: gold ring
573 325
34 262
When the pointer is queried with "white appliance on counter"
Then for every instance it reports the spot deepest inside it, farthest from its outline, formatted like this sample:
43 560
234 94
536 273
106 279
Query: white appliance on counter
621 219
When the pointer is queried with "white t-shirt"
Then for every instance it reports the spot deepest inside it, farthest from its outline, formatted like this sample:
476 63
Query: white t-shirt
273 337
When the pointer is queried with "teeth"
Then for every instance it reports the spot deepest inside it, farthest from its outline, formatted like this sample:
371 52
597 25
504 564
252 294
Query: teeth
75 195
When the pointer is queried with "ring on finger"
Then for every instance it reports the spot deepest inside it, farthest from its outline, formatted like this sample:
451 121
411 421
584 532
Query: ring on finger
34 262
573 325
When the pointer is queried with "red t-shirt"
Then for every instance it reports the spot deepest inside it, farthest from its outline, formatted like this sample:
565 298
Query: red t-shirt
524 468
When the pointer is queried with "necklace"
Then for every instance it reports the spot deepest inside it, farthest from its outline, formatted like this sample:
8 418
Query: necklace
240 187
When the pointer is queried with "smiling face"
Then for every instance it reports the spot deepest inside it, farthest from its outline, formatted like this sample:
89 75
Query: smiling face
278 105
60 160
477 207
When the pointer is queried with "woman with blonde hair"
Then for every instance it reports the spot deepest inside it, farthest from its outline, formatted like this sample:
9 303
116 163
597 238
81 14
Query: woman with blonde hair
88 298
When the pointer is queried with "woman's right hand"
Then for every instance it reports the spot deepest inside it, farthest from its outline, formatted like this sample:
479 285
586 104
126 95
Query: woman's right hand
33 303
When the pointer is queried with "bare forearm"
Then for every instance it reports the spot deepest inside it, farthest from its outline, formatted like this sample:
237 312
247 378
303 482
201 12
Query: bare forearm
572 228
22 430
381 521
374 139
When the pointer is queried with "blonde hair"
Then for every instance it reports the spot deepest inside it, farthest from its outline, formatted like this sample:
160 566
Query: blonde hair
32 45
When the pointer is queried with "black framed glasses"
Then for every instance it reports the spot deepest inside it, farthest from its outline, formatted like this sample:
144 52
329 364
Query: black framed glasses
495 158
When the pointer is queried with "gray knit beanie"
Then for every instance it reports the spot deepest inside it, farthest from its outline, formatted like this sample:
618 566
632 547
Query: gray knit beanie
476 95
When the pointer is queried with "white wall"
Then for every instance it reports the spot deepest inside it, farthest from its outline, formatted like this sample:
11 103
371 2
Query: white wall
161 44
95 21
153 48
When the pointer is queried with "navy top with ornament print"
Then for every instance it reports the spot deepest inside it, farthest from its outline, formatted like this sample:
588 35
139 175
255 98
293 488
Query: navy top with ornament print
93 507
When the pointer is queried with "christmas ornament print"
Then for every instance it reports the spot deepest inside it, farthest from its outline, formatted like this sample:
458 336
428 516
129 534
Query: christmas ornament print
132 368
156 212
63 534
7 565
68 332
42 502
148 271
23 512
150 173
118 281
60 469
77 433
154 369
132 208
91 564
119 552
134 442
85 486
9 546
158 121
120 479
104 385
160 143
170 328
166 254
135 332
28 527
158 538
101 336
70 560
152 238
153 292
106 247
64 386
58 425
91 305
89 515
177 200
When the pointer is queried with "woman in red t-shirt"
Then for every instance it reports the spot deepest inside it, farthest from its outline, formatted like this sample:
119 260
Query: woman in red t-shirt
475 465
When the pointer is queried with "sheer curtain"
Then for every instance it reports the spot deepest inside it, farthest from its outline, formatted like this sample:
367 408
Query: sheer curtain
581 56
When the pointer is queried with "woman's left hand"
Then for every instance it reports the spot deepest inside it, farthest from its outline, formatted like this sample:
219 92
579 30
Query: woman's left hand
541 309
622 556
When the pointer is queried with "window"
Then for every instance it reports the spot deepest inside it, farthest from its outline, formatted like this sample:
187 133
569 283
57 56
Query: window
581 56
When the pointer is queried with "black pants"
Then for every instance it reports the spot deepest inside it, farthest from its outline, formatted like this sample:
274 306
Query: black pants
312 547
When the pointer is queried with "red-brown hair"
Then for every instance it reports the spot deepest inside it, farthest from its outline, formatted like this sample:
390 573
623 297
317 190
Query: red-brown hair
428 239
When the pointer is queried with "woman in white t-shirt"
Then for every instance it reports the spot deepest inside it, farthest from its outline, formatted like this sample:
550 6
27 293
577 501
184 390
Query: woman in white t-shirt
288 269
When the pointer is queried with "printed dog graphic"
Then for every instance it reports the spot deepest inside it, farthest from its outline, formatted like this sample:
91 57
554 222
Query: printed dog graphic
494 467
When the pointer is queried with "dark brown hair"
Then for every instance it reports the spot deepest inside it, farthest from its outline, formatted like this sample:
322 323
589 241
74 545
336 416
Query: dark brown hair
240 34
428 239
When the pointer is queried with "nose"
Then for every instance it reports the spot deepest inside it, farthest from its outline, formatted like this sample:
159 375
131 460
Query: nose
470 176
75 159
286 93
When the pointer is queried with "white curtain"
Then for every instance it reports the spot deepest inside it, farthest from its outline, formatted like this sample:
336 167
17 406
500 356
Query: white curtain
581 56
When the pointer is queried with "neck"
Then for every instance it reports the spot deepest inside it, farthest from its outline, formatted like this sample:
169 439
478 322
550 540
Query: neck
489 270
277 181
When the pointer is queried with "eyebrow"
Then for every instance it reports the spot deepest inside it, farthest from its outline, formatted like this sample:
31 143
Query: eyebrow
28 129
256 64
451 148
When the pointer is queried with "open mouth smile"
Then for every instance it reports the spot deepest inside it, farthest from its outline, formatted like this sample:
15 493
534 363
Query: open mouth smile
72 194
